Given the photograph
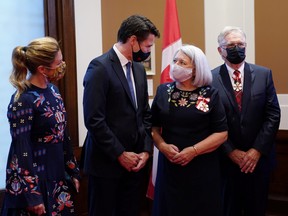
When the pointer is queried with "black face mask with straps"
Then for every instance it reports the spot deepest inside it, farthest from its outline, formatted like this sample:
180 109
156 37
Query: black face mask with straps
236 54
140 56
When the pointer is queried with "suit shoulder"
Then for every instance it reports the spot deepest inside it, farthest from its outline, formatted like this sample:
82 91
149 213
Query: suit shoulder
97 69
216 71
258 67
100 59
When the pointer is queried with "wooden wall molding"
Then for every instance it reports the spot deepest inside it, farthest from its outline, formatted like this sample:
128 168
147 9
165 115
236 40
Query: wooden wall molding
60 24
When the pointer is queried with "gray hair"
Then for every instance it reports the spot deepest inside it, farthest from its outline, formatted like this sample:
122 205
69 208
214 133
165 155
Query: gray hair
228 30
203 75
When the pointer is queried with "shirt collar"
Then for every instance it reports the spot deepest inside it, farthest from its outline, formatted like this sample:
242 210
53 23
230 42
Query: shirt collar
122 58
240 69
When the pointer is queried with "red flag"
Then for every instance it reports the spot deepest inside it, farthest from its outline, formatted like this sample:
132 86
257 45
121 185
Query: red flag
171 43
171 38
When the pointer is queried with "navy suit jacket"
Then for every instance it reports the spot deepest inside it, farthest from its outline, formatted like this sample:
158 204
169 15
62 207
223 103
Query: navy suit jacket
114 124
257 124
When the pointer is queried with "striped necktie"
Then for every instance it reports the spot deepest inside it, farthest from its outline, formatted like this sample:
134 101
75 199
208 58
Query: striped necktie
237 86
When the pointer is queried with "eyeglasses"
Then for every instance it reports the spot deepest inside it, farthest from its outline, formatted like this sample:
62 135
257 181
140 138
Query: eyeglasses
232 45
60 68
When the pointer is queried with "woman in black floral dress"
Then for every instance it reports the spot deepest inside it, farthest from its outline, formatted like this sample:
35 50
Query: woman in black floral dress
189 124
40 154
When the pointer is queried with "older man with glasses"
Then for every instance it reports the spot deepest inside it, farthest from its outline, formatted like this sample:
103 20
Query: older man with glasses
253 115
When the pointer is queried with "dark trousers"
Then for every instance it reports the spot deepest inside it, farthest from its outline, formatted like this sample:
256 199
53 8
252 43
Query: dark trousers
244 194
117 197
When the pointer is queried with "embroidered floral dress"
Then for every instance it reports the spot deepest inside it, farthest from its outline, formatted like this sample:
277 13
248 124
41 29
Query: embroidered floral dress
39 155
186 118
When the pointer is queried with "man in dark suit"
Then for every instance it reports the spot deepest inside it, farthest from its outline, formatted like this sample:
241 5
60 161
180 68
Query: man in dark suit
253 115
117 117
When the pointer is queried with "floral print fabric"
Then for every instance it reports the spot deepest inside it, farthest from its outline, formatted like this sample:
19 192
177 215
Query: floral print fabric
188 98
40 153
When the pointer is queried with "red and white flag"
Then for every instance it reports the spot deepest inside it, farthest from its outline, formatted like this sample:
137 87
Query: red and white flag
171 43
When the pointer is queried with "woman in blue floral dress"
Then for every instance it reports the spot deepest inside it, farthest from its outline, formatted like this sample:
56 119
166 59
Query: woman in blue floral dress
40 154
189 124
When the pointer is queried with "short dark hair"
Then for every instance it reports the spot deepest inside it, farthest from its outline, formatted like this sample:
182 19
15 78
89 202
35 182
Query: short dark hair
137 25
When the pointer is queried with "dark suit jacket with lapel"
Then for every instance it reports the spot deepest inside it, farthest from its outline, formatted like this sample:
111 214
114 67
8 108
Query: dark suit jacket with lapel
114 124
257 124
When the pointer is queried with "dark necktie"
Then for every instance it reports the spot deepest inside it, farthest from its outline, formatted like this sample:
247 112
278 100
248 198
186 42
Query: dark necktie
128 70
237 86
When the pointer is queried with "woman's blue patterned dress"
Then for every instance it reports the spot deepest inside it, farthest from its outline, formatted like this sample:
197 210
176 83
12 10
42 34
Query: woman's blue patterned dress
40 154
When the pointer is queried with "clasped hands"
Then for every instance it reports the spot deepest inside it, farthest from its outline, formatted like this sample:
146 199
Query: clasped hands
174 155
132 161
247 161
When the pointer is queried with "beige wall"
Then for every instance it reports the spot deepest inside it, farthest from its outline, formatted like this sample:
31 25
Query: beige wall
271 31
191 21
271 40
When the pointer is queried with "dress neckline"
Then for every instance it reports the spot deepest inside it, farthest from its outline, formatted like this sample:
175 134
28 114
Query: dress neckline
178 89
32 86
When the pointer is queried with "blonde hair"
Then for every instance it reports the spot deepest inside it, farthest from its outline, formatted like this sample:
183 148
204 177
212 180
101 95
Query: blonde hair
40 51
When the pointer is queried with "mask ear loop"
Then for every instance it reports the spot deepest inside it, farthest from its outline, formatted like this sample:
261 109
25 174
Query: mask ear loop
222 49
139 45
193 74
170 71
45 76
134 39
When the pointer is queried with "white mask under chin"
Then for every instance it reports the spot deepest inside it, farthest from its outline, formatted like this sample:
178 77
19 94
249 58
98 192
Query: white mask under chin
180 74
